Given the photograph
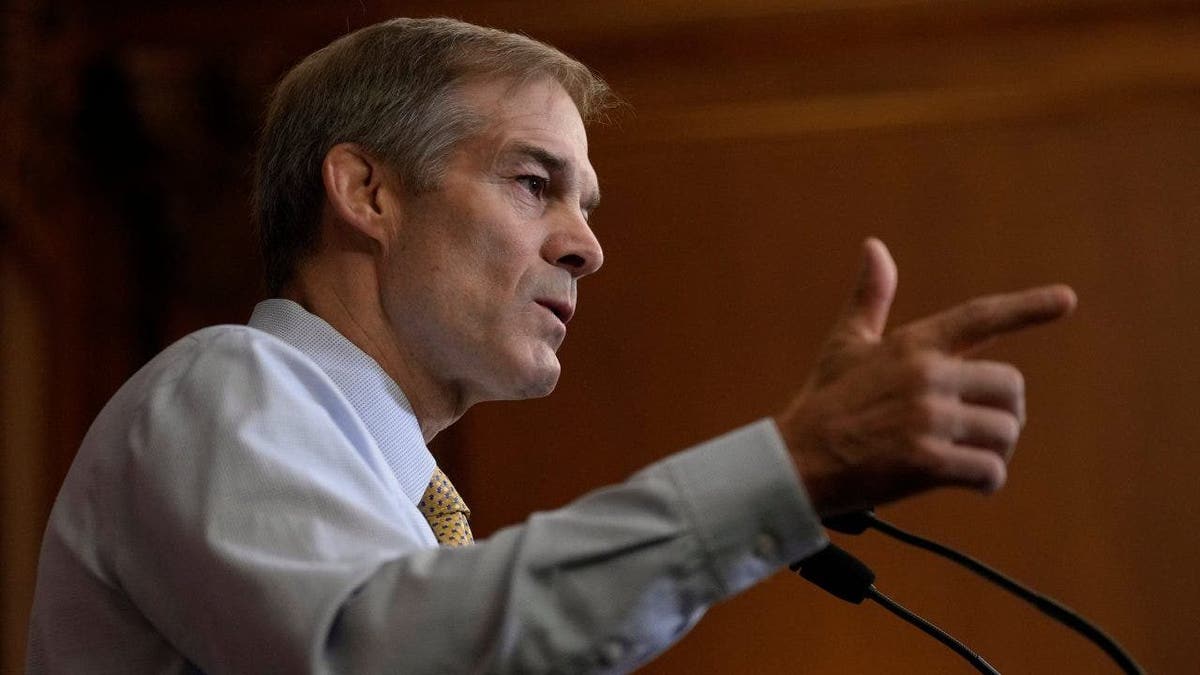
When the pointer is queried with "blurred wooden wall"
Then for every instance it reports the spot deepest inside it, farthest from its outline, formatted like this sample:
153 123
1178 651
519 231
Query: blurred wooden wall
992 145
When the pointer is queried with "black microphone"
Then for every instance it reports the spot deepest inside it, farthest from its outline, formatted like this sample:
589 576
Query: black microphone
847 577
838 572
859 522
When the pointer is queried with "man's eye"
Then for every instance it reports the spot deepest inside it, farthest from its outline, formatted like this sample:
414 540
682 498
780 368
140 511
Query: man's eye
535 185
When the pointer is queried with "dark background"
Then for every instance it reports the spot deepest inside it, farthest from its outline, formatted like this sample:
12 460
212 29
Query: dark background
992 145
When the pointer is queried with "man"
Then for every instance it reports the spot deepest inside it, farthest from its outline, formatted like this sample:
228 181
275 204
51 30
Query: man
260 498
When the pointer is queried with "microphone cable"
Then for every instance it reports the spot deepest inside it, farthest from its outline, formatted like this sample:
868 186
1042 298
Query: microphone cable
859 522
848 578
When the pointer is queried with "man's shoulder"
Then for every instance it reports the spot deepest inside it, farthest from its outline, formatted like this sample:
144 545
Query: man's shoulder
215 366
199 396
210 354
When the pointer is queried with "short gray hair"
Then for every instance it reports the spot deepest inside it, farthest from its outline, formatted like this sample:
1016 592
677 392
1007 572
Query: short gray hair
391 89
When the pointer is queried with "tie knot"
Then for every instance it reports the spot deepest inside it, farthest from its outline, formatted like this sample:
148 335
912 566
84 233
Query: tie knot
446 511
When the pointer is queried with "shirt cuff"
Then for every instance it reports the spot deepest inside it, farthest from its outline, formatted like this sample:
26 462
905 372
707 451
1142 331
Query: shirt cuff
749 507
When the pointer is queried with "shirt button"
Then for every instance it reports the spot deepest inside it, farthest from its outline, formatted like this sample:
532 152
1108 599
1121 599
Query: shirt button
611 653
766 547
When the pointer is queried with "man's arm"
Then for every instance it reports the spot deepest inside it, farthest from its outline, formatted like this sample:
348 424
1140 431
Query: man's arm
601 585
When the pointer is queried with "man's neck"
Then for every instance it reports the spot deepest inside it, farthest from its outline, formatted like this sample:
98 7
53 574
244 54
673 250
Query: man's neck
345 302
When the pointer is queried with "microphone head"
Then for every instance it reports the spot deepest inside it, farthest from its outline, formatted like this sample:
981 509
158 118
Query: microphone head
837 572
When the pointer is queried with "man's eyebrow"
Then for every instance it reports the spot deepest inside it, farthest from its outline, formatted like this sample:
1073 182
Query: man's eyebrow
549 160
555 164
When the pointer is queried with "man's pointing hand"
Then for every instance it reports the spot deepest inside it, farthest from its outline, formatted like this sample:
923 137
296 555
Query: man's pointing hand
883 417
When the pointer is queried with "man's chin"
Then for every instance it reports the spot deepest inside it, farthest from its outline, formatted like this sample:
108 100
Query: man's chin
540 380
526 378
540 386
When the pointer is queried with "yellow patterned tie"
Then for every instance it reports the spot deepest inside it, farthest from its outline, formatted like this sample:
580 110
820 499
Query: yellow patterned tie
446 512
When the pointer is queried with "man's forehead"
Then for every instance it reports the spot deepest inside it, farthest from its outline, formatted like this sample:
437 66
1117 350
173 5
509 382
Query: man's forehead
532 106
535 119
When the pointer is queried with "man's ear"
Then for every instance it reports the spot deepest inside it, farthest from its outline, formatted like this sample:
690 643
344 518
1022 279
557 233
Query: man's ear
354 182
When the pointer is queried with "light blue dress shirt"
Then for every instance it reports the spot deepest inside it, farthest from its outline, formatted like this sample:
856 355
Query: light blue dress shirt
246 503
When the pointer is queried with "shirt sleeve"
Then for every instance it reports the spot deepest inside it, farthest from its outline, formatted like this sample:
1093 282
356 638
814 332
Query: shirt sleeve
601 585
248 526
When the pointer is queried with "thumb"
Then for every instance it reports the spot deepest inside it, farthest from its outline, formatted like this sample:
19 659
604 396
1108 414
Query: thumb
866 314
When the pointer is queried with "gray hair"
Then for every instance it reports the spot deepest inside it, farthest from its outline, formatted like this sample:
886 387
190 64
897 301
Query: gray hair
390 88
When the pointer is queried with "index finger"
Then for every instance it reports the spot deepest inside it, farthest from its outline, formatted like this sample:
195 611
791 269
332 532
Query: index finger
974 322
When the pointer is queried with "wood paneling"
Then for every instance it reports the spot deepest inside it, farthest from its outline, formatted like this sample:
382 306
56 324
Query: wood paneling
992 145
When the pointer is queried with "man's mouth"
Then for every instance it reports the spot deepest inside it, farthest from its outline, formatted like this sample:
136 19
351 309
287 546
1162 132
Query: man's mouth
561 309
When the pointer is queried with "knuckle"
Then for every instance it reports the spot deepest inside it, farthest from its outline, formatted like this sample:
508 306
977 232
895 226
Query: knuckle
924 369
925 450
924 413
928 459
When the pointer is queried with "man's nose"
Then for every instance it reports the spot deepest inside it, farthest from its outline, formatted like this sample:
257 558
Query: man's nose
573 246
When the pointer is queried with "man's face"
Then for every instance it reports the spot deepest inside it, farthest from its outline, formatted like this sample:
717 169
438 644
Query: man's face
480 280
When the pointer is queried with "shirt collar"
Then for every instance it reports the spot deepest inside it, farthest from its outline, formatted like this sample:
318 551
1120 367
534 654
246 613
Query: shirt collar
377 399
